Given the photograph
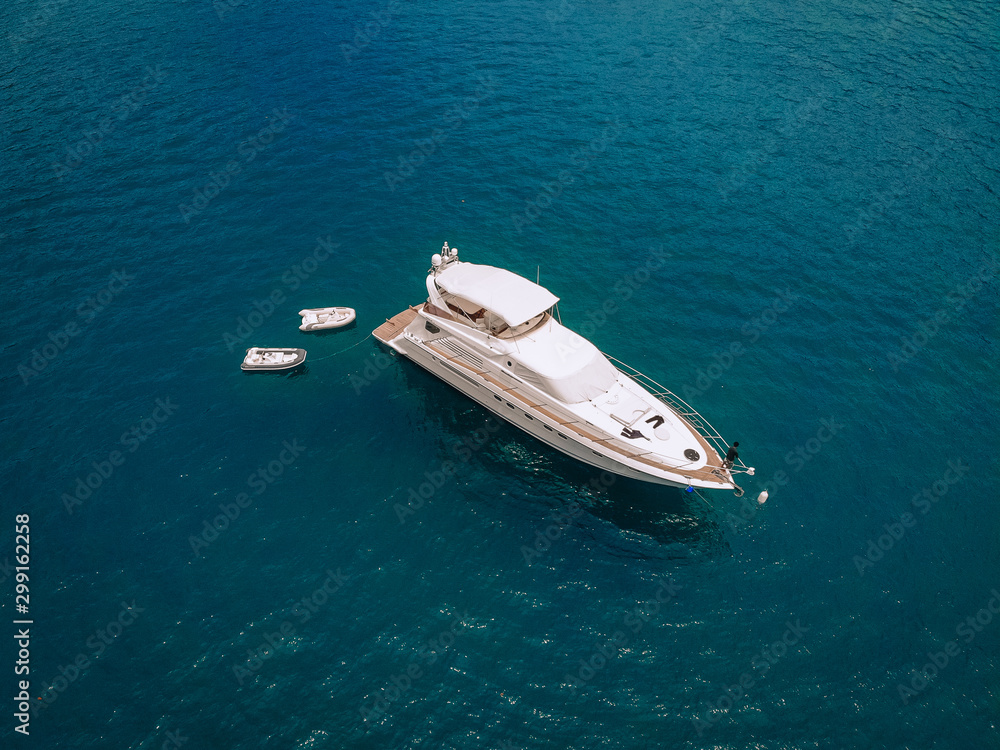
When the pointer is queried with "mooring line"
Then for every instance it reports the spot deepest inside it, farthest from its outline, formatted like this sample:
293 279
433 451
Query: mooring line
320 359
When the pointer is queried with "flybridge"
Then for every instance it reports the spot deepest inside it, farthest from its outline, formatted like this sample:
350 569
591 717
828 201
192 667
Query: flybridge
512 298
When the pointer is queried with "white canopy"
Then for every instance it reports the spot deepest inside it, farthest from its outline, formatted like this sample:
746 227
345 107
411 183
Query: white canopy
511 297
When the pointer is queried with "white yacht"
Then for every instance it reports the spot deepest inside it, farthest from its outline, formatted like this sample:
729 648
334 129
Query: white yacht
492 335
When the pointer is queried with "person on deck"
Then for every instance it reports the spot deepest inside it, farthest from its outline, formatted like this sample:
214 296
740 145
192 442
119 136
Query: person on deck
731 457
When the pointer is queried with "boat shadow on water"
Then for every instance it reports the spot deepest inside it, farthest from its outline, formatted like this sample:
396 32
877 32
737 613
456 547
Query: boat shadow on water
527 466
324 332
296 372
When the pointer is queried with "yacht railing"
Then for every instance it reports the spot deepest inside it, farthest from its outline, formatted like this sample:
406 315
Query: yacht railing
683 409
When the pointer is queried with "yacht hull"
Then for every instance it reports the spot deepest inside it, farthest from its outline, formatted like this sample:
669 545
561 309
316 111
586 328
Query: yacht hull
510 413
404 335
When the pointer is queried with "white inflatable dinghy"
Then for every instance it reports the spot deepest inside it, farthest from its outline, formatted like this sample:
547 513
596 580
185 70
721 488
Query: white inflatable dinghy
320 318
263 358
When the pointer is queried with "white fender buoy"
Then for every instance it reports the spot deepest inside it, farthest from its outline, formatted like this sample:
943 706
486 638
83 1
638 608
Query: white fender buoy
762 498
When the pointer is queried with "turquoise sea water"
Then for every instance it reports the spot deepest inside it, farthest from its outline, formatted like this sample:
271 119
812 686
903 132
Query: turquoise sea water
790 211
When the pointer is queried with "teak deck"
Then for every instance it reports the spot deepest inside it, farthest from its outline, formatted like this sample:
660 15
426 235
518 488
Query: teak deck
394 326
